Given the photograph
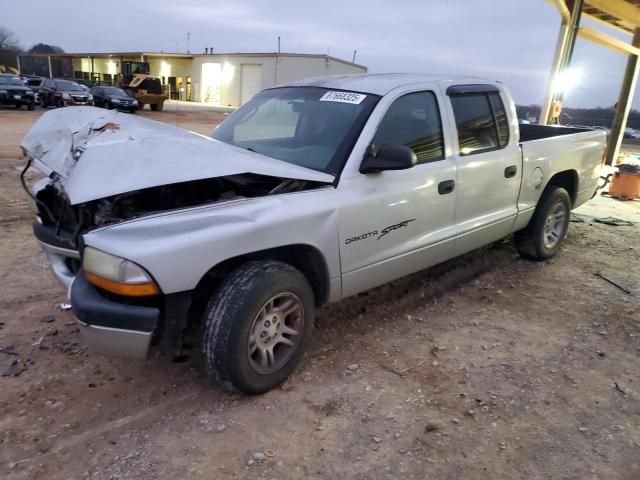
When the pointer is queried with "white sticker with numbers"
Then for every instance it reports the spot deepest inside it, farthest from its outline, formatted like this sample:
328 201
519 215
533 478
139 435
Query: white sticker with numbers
343 97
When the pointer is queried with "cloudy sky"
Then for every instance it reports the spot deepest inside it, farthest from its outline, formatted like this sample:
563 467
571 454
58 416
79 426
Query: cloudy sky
509 40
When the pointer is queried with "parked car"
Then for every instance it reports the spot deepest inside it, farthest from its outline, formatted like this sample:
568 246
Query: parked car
63 93
14 92
114 97
309 193
34 83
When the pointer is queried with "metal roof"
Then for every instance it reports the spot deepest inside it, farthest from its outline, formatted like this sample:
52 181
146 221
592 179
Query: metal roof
190 55
620 14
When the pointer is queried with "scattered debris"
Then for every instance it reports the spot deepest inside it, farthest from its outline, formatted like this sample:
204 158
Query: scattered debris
431 427
619 388
37 342
615 222
48 319
221 428
258 457
583 429
624 289
577 218
14 370
64 306
269 453
353 367
10 350
376 439
455 420
402 372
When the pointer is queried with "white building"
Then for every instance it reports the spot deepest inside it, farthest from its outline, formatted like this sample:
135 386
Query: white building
225 79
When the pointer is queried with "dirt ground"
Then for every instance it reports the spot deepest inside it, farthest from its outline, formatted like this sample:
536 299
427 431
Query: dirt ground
487 367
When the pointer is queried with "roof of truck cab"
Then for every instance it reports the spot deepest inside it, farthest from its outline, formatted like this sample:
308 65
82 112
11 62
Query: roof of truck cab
381 83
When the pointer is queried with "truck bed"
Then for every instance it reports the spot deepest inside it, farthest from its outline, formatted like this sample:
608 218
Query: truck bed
549 150
530 132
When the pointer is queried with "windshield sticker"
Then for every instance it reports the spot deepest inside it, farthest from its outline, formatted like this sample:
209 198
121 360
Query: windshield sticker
343 97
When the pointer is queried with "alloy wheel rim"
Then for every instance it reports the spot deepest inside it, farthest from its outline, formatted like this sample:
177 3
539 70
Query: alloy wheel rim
275 333
554 225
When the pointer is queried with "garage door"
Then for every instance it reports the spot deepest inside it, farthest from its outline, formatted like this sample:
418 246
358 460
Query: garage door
251 81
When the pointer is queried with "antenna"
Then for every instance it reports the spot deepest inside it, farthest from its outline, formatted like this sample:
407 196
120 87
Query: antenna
278 44
188 38
354 56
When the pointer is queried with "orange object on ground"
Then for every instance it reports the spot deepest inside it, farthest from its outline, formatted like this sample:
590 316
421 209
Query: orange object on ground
625 186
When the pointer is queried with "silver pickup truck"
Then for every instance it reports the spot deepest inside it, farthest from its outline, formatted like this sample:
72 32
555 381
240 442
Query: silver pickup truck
309 193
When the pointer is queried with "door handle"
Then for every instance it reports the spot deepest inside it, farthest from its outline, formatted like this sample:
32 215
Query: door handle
446 187
510 171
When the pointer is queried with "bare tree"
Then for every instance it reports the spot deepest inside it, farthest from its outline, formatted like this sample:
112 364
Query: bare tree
9 48
8 40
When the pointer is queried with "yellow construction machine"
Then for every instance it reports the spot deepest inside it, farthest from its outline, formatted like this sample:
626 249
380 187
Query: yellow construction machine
141 85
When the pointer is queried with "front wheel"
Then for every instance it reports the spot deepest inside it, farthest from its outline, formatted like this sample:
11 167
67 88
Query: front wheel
541 239
257 325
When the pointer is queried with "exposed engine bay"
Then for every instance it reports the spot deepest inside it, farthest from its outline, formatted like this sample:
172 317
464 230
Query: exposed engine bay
71 221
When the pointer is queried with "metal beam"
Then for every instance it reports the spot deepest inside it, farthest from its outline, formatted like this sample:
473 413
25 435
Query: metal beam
562 57
562 8
599 20
624 102
608 41
623 10
563 36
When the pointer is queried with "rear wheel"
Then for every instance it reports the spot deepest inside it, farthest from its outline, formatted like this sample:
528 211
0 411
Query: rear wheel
157 107
140 106
541 239
31 106
43 102
257 325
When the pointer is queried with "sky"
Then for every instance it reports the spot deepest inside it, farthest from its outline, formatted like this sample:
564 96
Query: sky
509 40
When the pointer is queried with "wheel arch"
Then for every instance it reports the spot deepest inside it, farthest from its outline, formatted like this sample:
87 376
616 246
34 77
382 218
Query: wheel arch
567 179
306 258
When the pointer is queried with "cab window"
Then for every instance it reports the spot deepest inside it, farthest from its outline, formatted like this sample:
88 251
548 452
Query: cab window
481 122
413 120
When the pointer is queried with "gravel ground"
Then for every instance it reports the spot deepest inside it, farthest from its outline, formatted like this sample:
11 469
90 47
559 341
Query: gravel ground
488 366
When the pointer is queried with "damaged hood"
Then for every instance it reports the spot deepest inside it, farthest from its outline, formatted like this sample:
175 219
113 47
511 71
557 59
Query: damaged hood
98 153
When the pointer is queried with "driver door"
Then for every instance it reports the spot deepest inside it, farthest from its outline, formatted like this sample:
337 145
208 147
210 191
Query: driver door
397 222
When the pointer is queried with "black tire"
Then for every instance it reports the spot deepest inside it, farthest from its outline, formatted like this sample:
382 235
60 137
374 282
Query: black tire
156 107
31 107
233 310
43 103
140 106
530 241
107 105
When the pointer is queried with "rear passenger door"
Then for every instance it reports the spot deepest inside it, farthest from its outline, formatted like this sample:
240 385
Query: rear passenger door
489 166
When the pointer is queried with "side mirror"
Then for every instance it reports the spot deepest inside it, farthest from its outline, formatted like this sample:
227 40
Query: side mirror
388 157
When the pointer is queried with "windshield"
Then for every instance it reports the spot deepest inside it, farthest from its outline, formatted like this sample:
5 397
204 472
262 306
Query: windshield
307 126
11 81
114 91
67 86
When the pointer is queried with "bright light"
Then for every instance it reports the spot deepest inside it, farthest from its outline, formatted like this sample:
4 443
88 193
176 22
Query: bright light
567 79
111 67
165 69
211 77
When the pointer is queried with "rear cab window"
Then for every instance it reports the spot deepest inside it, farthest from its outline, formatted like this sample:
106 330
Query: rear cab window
481 118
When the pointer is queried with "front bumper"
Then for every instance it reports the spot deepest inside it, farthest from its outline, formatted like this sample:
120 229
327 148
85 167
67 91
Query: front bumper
112 328
17 99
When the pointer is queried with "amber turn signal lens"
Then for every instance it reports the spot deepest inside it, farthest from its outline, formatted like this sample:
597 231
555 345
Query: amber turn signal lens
126 289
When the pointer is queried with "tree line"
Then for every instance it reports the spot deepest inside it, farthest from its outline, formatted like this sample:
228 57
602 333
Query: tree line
10 48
